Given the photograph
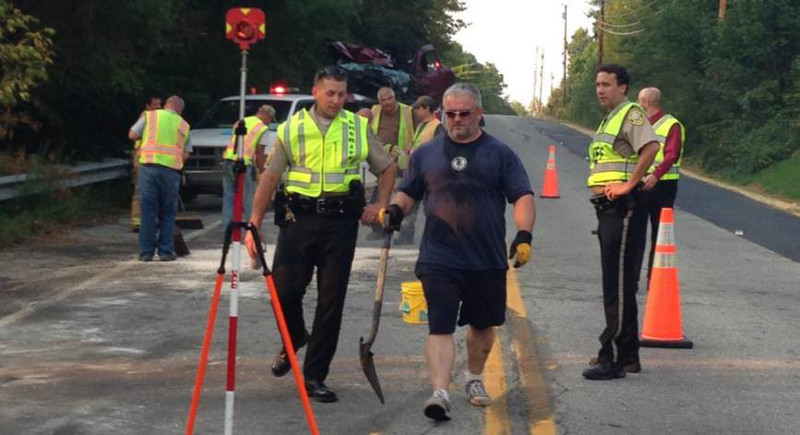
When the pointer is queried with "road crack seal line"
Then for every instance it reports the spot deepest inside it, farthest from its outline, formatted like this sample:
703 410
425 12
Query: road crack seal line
539 409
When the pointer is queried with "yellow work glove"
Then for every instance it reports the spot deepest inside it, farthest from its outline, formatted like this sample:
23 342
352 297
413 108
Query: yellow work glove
391 218
521 248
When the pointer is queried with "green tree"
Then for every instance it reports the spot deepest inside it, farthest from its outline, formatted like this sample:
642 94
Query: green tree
518 108
25 53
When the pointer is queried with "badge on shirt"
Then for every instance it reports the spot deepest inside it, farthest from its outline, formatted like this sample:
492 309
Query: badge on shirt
636 117
458 163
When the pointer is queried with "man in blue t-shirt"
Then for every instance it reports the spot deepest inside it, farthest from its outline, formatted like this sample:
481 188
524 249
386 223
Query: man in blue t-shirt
464 178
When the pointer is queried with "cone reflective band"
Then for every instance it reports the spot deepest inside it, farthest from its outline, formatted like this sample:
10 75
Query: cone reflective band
662 316
245 26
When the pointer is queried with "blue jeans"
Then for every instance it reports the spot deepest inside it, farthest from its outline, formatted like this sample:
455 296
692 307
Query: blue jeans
158 201
228 190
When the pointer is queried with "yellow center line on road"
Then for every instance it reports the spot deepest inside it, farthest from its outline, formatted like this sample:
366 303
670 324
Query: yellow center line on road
540 419
496 415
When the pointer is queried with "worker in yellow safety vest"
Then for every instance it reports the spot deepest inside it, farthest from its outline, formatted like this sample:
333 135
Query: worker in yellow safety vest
663 174
393 124
619 155
254 146
321 151
165 147
152 103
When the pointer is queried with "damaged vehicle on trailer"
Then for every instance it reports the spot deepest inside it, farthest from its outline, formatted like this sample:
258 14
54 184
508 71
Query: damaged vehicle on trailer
370 69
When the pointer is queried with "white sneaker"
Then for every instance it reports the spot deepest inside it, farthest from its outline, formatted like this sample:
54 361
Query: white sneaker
476 393
437 407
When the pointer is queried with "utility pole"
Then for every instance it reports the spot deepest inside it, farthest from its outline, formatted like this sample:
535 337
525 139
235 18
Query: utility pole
535 67
541 79
723 6
564 79
600 24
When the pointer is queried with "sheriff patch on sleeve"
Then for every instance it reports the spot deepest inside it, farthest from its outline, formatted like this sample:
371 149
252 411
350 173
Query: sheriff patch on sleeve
636 117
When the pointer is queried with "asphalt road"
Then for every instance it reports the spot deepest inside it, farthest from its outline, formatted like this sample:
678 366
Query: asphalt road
94 342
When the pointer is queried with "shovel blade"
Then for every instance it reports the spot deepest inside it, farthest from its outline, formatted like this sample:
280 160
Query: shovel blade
368 365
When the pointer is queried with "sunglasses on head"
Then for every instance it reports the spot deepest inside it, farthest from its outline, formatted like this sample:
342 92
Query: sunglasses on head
460 113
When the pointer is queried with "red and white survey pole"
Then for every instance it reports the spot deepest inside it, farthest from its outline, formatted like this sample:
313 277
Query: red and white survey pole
244 26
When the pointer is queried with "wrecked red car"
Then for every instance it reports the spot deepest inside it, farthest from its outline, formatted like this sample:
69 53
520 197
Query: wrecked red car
370 69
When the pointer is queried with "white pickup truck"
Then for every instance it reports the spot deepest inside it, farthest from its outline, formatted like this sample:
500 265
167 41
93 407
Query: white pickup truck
203 171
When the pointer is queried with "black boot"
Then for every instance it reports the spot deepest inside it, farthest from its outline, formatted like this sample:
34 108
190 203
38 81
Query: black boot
281 365
318 391
604 372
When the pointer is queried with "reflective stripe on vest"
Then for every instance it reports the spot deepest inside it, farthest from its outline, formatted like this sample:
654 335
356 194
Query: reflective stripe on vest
661 128
605 164
164 137
255 130
319 165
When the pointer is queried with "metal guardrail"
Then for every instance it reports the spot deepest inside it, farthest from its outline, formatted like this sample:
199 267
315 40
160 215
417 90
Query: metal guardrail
82 174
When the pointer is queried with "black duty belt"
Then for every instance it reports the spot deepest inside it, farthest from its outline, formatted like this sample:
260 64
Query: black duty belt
344 205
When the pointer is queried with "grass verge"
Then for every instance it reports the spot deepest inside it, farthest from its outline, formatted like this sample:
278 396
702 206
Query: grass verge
51 212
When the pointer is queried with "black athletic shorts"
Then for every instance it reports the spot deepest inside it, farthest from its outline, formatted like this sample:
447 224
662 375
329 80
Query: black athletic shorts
480 294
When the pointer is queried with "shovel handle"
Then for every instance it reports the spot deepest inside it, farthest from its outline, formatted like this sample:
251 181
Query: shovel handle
378 300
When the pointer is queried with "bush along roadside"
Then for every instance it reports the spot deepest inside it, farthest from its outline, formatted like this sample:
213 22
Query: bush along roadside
50 212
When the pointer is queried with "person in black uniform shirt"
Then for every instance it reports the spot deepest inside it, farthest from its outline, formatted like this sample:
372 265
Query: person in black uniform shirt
465 178
320 217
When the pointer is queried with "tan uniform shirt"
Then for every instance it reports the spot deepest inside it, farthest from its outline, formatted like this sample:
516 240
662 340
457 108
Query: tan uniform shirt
377 158
389 126
636 132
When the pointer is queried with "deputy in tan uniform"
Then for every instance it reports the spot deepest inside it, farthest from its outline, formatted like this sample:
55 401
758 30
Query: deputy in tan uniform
619 155
321 150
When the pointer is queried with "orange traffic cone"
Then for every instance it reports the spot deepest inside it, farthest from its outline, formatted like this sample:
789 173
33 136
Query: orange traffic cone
550 184
662 315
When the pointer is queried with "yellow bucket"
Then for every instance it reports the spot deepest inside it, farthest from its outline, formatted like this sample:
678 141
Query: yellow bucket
412 304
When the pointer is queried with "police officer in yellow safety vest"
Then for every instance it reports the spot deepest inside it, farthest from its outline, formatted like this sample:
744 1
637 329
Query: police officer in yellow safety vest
165 146
619 155
321 150
662 177
152 103
255 142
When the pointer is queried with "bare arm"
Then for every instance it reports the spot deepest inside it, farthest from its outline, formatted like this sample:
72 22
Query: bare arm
386 181
402 200
132 135
267 185
260 158
524 213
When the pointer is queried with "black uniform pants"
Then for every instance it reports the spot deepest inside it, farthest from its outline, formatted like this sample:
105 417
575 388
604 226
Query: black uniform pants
663 195
327 243
622 231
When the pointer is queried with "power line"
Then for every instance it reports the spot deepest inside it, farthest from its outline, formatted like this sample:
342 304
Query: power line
604 23
611 32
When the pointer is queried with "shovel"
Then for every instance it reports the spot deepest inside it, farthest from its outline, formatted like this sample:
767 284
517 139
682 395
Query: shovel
364 352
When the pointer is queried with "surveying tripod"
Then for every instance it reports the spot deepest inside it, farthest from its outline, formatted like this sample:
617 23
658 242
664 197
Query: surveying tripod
233 239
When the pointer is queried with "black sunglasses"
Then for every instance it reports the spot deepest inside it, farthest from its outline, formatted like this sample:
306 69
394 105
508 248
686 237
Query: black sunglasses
460 113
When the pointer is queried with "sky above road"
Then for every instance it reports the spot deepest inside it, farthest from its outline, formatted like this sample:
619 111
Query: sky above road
507 33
